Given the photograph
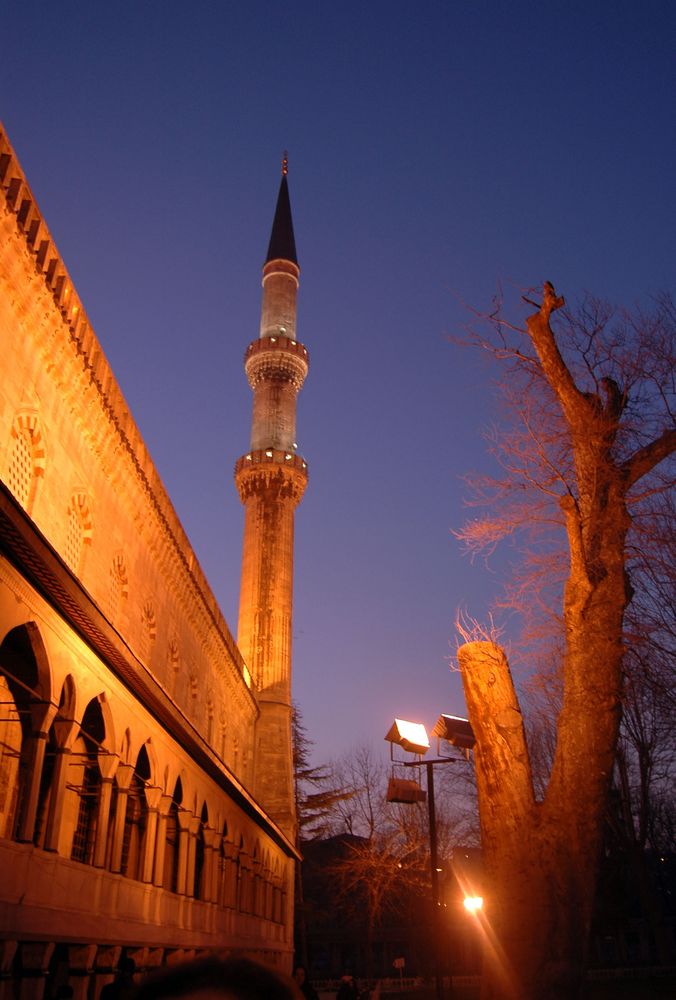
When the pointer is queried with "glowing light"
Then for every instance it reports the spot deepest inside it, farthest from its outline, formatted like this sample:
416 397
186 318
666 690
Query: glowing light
288 458
269 454
273 340
412 736
473 903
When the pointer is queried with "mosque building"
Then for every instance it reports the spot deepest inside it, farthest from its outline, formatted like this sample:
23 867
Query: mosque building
146 784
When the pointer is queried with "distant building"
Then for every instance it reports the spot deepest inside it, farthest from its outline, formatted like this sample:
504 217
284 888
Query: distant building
146 798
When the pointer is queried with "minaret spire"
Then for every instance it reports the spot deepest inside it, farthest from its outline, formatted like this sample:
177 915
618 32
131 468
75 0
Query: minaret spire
271 479
282 243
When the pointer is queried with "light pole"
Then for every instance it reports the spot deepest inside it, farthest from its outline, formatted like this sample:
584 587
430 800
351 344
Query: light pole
412 737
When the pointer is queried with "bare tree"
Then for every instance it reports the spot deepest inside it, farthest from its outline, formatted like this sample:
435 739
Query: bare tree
384 850
317 796
588 456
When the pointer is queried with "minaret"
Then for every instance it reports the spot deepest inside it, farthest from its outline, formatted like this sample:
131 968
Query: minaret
271 480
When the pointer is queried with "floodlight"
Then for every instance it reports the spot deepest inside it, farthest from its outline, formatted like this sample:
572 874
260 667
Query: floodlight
404 790
410 736
455 731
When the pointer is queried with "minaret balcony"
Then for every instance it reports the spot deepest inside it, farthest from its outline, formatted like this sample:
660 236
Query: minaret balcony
271 456
271 473
276 358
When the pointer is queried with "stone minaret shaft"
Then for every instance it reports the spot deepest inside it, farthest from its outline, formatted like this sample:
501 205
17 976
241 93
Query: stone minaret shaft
271 480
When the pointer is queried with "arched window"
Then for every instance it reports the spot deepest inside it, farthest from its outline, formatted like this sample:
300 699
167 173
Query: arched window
193 690
119 588
20 478
10 755
78 531
170 876
257 904
199 886
27 459
85 781
23 679
173 664
135 822
210 720
222 734
148 630
244 880
222 862
267 888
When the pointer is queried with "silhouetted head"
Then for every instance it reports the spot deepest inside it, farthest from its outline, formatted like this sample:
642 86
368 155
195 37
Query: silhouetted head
217 979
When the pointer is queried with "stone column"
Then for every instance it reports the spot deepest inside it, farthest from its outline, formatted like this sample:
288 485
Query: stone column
81 967
153 798
42 714
161 839
106 964
212 840
108 764
233 877
65 731
56 799
195 823
7 952
123 778
212 844
183 821
102 817
35 957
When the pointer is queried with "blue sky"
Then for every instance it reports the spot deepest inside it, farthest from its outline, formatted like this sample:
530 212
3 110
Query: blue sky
436 151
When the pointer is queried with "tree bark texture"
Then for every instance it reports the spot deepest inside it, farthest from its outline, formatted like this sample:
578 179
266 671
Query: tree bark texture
542 857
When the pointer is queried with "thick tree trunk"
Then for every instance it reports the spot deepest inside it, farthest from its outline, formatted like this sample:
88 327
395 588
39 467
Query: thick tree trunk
542 857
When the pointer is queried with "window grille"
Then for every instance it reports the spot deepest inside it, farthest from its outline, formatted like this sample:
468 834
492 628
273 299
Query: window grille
21 467
134 830
74 539
85 832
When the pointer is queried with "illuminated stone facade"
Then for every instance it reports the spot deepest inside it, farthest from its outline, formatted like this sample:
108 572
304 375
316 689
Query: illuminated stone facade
131 814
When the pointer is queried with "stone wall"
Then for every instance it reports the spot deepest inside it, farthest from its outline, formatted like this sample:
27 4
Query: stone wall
127 824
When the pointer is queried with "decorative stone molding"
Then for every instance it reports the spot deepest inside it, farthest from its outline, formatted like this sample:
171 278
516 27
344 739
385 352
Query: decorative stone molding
275 475
277 359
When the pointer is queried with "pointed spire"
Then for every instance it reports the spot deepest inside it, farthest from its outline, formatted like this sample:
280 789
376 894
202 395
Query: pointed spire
282 243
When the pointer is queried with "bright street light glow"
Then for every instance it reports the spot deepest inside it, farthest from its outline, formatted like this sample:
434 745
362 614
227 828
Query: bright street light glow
473 903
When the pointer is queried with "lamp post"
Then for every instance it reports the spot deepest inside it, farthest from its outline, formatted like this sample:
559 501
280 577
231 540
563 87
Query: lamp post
412 737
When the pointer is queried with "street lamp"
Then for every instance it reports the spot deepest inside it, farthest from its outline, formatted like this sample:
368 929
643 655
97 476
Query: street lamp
473 903
412 737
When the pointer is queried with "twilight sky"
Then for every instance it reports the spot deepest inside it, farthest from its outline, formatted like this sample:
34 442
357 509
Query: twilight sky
436 150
